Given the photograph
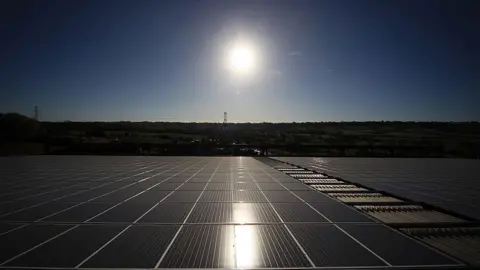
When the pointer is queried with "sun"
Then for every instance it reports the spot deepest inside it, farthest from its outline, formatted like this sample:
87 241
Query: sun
242 59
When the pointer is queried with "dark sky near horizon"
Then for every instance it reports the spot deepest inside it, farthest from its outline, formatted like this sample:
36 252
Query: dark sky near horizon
316 60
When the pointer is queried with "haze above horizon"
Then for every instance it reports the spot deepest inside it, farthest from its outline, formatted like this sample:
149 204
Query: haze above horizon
261 61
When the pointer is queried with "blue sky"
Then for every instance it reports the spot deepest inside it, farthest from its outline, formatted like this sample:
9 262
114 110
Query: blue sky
317 60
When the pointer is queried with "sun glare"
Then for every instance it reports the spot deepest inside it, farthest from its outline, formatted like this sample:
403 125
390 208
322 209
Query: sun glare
242 59
245 245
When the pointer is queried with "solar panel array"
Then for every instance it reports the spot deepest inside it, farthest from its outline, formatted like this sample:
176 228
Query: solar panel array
385 193
451 184
185 212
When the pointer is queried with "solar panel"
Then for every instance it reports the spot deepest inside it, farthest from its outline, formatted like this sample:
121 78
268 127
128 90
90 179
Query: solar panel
435 182
125 212
431 180
192 186
216 196
195 212
336 212
297 212
27 238
281 196
167 186
270 186
248 196
295 186
137 247
66 247
183 196
459 242
79 213
219 186
35 213
393 246
327 245
196 242
312 196
6 227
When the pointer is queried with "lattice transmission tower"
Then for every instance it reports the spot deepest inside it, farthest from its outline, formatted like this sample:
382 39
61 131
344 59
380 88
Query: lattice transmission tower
225 121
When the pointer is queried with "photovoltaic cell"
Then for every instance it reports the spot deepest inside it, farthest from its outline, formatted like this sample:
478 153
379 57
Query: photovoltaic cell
69 249
219 186
244 186
167 186
34 213
202 246
211 213
125 212
192 186
271 186
21 240
119 195
340 213
216 196
80 213
266 246
281 196
137 247
297 212
248 196
328 246
253 213
183 196
168 213
150 196
84 195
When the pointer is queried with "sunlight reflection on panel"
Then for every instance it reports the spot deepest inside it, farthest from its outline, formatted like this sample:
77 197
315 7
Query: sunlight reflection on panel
228 258
243 213
245 246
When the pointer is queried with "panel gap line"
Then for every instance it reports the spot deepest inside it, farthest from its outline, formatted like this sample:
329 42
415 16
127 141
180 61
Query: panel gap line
121 232
151 208
14 229
62 233
38 245
385 225
52 179
82 191
185 220
310 261
43 193
424 244
232 218
336 226
135 195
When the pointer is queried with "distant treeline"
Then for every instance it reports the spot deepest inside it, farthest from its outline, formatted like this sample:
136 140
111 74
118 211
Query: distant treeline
17 127
457 138
463 127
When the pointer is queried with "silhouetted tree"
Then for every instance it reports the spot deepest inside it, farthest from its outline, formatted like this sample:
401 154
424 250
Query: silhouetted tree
17 127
